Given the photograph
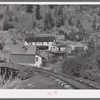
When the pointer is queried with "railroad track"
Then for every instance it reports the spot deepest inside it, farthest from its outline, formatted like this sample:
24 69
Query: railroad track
62 79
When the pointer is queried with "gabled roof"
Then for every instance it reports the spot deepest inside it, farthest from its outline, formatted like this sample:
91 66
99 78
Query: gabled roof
20 49
40 39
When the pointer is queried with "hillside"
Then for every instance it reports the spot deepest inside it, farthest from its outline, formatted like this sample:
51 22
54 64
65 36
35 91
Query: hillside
21 21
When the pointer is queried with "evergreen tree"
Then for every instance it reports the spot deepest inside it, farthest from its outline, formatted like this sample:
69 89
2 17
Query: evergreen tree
79 25
60 17
52 6
91 47
9 14
38 15
94 24
1 47
34 24
81 8
5 24
7 9
29 9
60 11
48 21
70 21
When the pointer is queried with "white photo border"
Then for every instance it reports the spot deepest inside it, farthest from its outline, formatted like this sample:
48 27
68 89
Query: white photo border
43 93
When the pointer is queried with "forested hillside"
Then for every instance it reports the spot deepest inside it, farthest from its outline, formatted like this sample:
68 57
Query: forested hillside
20 21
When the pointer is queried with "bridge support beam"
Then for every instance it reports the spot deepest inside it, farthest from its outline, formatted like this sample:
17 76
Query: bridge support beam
7 74
3 78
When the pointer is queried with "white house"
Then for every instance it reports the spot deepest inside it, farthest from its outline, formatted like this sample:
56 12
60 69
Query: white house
62 47
43 43
73 46
54 48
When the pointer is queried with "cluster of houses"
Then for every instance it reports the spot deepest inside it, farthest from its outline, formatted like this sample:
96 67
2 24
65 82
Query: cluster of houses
29 52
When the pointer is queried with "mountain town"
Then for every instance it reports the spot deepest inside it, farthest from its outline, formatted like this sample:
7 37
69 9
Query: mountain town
60 39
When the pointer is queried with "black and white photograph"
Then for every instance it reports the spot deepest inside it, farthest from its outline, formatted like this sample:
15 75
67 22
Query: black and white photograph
49 46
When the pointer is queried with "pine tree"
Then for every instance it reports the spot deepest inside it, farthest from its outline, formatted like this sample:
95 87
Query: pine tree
60 17
5 25
8 14
29 9
79 25
48 21
94 24
70 21
52 6
91 47
38 15
34 24
60 11
81 8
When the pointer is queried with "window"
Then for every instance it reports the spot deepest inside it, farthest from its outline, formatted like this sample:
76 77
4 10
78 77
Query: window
39 42
24 49
30 43
36 59
45 43
53 47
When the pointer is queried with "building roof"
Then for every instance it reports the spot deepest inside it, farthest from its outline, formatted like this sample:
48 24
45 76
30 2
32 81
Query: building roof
44 55
40 39
61 45
20 49
74 43
79 48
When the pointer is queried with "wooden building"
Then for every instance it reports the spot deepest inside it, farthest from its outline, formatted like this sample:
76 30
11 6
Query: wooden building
42 43
26 55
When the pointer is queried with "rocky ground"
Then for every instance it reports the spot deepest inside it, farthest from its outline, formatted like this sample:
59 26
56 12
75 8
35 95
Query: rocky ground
38 81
